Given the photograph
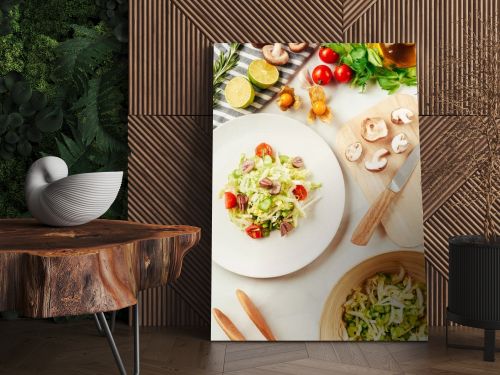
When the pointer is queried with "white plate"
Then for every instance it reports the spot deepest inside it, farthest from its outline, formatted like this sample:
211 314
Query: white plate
275 256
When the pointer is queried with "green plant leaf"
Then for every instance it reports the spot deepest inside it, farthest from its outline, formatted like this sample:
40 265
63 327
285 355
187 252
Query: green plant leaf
5 155
8 105
83 54
339 48
21 92
33 134
3 124
49 119
98 113
11 78
27 109
75 153
374 57
38 100
9 147
120 31
3 88
14 120
11 137
24 148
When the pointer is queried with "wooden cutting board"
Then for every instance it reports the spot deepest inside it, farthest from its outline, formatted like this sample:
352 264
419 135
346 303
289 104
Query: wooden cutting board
403 221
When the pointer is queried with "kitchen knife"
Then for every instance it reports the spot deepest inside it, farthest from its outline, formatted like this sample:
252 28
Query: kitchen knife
376 212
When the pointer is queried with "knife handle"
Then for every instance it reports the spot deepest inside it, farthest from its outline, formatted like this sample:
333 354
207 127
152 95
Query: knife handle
372 218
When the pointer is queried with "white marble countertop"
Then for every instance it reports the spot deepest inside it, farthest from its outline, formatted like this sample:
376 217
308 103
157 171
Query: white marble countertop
292 304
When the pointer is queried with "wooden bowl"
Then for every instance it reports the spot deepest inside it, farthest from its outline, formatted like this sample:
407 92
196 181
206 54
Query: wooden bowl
331 324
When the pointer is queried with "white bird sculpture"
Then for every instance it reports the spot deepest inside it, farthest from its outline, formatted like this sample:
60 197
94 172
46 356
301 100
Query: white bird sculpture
56 199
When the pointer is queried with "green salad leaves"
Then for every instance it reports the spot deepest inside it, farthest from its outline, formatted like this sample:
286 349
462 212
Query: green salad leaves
367 65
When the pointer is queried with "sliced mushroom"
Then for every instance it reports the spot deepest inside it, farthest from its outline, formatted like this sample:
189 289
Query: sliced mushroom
353 151
401 116
297 162
266 183
242 201
247 166
275 54
285 228
378 161
373 129
297 47
276 188
400 143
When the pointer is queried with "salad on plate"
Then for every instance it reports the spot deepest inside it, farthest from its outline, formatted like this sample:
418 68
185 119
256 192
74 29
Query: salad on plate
268 191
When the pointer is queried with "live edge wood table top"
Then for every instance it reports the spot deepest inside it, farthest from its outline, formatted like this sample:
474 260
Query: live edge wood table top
100 266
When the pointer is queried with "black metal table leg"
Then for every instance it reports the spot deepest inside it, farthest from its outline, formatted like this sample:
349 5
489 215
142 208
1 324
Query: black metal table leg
489 345
102 324
113 324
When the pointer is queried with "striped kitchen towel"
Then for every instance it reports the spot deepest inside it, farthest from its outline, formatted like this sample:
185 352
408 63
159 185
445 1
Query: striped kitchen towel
223 112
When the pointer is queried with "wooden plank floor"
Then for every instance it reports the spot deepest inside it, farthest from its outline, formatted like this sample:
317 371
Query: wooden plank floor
41 347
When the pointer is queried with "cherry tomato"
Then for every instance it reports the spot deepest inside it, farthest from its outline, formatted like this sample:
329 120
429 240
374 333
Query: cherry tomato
343 73
322 74
300 192
229 200
254 231
263 149
328 55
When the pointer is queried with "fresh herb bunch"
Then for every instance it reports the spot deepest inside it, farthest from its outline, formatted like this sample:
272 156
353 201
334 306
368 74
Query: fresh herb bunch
222 65
367 64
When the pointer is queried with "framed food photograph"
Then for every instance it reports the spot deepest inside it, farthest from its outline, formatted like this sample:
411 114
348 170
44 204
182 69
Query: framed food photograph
317 224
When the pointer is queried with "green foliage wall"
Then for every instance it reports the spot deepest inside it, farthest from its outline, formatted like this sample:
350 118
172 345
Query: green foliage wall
63 91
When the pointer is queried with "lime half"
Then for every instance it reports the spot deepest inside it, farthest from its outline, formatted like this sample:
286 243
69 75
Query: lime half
262 74
239 92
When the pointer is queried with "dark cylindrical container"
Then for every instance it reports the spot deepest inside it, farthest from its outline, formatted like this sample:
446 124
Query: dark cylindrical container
474 282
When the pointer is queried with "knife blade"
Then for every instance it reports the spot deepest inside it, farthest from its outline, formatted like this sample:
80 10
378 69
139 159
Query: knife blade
377 210
405 171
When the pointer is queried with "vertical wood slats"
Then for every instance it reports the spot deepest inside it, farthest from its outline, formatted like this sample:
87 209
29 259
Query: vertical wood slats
170 61
170 72
433 26
171 167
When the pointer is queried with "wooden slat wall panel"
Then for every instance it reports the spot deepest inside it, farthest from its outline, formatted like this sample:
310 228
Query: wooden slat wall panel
170 73
170 62
437 295
170 165
264 20
433 25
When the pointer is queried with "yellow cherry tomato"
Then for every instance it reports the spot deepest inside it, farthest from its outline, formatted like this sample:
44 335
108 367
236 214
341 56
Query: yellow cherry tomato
319 107
286 99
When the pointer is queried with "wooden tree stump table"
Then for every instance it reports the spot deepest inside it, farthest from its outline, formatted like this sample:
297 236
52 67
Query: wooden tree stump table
88 269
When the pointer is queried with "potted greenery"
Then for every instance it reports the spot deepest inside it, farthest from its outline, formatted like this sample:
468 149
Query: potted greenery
470 150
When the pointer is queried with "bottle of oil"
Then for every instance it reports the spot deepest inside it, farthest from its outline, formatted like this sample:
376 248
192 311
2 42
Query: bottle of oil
401 55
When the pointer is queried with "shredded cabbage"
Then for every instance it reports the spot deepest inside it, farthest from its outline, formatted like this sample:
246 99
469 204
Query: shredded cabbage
264 209
388 308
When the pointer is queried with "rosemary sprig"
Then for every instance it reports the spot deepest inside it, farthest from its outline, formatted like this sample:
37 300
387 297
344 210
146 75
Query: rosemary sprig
223 64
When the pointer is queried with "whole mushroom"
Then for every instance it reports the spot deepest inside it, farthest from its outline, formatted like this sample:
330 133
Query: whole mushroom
275 54
373 129
297 47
